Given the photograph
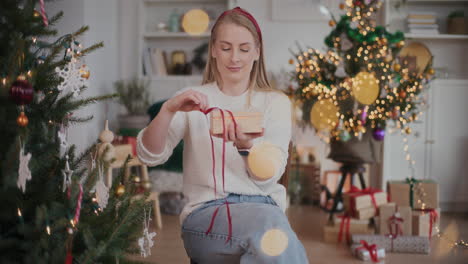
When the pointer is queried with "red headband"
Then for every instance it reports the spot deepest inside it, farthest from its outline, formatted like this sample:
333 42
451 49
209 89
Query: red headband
246 14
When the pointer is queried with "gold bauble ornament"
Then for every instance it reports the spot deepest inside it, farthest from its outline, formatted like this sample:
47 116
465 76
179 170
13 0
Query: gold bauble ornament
342 6
365 88
120 190
147 185
324 115
400 44
22 120
397 67
195 22
331 23
84 73
136 179
408 130
291 61
36 13
264 160
431 71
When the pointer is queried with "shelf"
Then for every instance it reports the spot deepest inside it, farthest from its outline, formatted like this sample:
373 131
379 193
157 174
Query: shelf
174 35
451 82
436 1
435 36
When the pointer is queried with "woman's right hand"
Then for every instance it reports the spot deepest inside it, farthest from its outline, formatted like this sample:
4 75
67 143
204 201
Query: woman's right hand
187 101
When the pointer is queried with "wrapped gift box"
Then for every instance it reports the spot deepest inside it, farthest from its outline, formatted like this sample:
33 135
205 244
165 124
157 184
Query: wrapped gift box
425 222
356 200
363 254
400 192
363 214
331 233
400 244
250 122
353 222
389 210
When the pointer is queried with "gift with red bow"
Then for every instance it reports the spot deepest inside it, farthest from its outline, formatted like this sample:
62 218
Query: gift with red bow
425 222
396 243
363 204
395 217
366 252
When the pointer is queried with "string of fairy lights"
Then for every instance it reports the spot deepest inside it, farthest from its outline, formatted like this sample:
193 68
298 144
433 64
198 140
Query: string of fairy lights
332 80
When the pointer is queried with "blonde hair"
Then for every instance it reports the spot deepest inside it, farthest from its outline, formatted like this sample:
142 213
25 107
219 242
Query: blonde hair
258 77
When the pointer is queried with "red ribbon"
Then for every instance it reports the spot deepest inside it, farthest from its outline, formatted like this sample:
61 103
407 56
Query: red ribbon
433 215
345 222
76 219
43 13
396 222
213 217
356 192
69 258
371 248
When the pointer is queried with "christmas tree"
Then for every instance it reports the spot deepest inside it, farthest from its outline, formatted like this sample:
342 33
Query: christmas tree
55 206
362 80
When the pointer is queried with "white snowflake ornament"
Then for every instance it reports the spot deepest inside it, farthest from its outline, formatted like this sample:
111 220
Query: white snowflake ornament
146 241
101 189
24 173
74 74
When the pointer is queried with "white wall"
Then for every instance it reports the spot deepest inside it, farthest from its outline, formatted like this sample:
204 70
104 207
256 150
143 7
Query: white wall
101 17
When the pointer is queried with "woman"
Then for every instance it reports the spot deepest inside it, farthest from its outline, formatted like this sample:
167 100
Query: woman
232 215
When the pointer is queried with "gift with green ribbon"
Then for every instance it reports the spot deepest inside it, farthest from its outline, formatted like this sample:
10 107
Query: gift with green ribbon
419 194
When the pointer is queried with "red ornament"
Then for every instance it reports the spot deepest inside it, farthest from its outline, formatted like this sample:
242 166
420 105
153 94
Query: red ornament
402 94
21 92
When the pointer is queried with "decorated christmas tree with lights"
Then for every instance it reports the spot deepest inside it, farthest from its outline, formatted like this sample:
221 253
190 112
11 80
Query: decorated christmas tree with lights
362 81
55 205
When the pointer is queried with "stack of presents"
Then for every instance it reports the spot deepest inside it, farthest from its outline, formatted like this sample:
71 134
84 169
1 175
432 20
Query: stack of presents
374 222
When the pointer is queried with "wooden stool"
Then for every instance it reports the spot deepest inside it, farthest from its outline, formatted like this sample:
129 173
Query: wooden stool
121 154
347 169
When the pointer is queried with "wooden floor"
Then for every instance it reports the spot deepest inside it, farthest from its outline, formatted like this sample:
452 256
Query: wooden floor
308 221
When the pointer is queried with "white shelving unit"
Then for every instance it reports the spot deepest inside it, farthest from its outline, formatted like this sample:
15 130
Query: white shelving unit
436 148
448 49
435 36
153 12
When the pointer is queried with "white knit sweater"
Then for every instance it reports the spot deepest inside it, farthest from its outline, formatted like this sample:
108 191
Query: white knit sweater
193 128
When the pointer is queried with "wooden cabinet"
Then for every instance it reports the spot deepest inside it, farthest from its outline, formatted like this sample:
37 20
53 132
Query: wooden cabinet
304 183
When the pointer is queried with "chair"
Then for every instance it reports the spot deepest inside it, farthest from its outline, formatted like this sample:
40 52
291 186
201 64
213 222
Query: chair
121 153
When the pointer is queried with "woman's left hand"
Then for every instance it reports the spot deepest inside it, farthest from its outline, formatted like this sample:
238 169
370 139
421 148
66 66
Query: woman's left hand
241 140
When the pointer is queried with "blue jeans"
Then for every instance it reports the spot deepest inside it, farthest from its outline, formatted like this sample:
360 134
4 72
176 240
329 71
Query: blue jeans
252 216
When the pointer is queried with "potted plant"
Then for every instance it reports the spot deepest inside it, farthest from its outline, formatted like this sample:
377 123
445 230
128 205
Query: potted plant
456 22
135 97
